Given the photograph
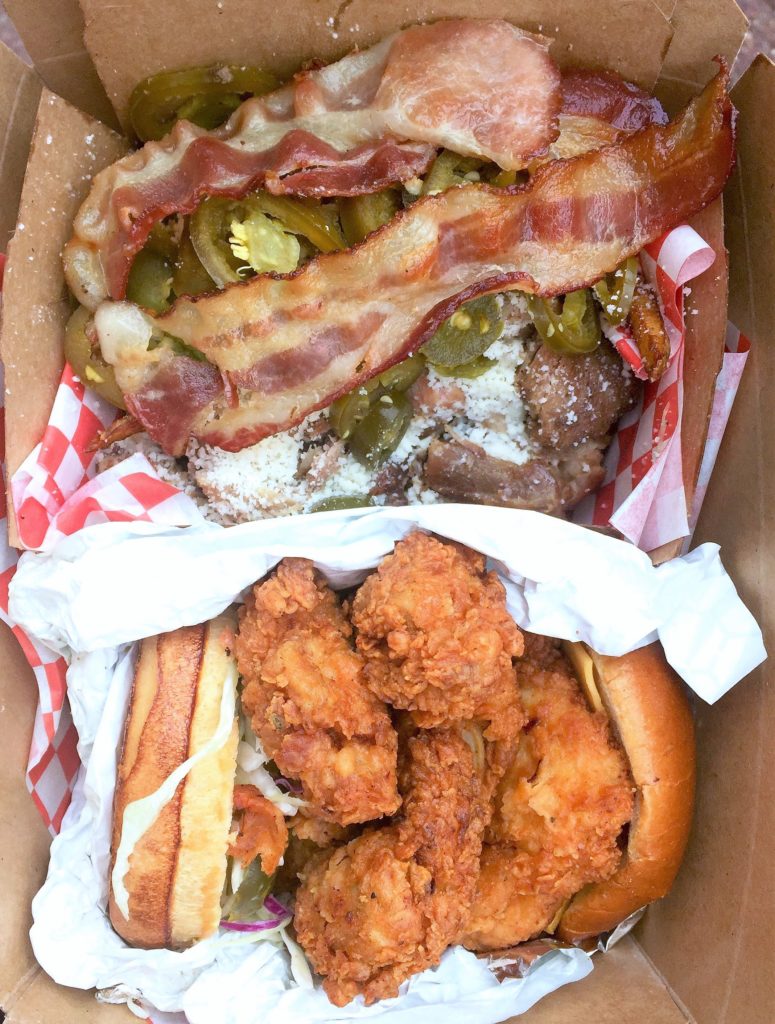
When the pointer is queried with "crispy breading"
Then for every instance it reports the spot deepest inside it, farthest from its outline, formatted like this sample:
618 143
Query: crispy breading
319 831
437 637
307 836
388 904
260 829
508 908
542 651
559 810
305 692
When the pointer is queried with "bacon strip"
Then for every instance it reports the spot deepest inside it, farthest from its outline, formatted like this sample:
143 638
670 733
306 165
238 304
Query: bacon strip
599 108
480 88
281 347
606 96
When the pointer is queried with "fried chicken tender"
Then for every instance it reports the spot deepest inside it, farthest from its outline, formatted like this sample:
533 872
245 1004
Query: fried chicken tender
307 836
437 637
558 813
508 908
387 905
306 695
318 831
260 829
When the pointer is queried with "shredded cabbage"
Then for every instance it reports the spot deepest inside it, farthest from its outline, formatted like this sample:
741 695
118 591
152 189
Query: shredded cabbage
251 760
263 244
302 975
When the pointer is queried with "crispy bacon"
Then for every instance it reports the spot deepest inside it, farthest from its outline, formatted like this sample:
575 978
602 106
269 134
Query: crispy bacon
606 96
480 88
285 346
599 108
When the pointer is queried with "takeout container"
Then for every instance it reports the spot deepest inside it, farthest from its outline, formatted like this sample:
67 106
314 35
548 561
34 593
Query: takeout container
702 954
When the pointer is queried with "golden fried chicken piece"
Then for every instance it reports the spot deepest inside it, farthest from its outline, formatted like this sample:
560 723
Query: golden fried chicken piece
508 908
318 831
437 637
388 904
307 836
558 814
305 692
259 829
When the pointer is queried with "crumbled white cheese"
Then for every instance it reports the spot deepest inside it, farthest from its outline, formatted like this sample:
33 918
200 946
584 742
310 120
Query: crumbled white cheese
168 468
348 478
415 440
292 471
256 482
489 412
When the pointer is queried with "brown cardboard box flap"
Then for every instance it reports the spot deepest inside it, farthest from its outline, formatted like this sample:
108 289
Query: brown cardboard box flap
67 148
19 94
52 31
706 324
711 938
24 839
687 68
129 41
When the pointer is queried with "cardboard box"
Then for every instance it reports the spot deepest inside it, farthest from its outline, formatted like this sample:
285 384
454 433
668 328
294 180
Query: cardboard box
704 953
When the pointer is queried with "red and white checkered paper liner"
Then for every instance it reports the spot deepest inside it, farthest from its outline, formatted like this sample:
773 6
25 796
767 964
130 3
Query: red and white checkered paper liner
55 492
642 494
736 349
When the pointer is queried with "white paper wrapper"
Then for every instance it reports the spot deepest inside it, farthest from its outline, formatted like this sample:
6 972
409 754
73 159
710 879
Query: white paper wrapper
106 587
103 587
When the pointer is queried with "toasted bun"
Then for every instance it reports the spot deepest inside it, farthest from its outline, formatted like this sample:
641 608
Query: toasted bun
177 868
648 709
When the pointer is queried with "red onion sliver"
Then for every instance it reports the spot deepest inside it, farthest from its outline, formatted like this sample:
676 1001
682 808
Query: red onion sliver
256 926
274 906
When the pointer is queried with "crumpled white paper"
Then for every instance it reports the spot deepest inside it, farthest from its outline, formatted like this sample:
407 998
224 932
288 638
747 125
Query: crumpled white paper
114 583
102 589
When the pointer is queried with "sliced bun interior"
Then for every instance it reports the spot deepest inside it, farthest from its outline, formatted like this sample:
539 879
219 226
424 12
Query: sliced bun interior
177 867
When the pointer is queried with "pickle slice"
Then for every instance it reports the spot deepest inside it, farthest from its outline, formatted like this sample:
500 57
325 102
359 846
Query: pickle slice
247 902
338 502
379 434
467 334
360 215
205 95
85 358
150 281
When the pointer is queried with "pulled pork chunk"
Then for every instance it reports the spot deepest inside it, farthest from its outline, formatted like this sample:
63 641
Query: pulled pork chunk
461 471
572 404
572 399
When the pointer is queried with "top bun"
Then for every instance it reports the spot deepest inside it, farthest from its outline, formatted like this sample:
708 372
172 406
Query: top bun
648 709
178 866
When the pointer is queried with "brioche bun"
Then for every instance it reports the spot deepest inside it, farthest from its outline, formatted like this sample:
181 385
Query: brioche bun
178 865
649 713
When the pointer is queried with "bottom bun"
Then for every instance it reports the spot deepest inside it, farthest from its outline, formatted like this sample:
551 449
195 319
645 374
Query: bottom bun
177 868
648 709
